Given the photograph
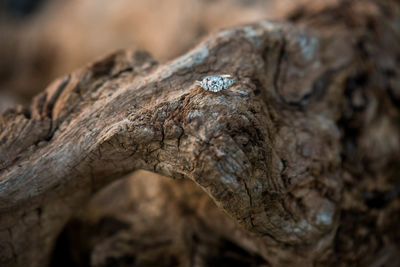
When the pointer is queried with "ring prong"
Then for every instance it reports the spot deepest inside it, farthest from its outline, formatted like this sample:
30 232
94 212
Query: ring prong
216 83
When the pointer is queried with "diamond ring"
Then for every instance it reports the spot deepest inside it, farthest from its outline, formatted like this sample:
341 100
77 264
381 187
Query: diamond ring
216 83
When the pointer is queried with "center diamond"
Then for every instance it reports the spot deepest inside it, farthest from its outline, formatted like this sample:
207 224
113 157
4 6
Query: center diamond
216 83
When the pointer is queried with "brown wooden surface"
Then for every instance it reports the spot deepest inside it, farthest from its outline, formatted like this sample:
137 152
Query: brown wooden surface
294 152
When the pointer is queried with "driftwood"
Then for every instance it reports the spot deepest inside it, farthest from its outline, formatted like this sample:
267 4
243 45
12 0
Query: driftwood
149 220
302 151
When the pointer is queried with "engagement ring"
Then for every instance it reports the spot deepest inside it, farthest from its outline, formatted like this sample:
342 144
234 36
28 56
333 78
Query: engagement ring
216 83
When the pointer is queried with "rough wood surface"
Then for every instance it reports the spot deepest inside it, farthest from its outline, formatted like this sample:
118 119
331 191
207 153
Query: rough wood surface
149 220
287 152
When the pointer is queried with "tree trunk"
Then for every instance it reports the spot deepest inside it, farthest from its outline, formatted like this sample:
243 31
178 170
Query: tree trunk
302 151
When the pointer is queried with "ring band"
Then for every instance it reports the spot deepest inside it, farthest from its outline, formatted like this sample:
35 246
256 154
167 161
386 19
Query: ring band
216 83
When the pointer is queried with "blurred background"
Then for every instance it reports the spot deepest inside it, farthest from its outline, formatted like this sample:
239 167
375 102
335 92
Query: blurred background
44 39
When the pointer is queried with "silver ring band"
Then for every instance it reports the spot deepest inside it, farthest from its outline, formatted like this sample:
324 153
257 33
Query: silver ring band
216 83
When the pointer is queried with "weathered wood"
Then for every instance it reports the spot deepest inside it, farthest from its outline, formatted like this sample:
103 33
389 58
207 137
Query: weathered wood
310 111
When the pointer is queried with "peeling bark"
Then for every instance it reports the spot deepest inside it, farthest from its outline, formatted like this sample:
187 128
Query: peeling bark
288 151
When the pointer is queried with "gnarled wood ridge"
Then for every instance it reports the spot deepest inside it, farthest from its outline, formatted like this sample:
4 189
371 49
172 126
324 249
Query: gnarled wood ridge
313 114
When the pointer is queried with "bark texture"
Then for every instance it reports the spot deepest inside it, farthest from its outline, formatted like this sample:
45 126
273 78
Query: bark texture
303 151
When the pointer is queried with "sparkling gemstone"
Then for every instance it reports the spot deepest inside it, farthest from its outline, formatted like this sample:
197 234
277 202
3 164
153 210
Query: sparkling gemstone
216 83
